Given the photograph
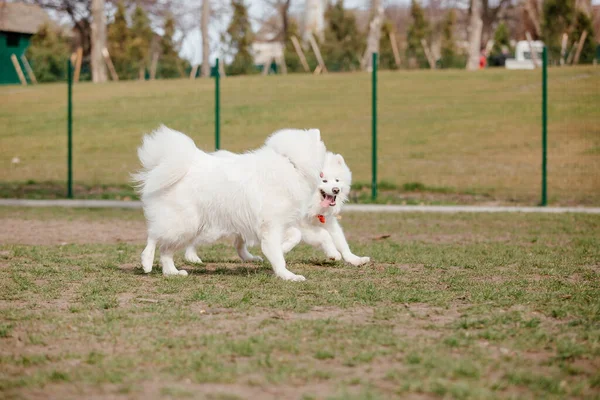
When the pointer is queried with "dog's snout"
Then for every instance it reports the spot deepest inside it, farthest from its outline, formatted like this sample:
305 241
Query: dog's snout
335 190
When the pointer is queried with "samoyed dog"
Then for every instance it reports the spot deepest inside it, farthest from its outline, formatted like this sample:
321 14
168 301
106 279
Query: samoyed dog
320 226
190 196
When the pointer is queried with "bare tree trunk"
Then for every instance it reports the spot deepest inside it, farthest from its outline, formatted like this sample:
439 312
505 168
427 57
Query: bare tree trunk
98 41
205 72
532 12
374 34
285 20
475 27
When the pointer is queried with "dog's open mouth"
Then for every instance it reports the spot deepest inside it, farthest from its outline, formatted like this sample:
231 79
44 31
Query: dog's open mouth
328 200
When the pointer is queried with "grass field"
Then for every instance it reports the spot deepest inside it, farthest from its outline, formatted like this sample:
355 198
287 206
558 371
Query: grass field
444 136
454 306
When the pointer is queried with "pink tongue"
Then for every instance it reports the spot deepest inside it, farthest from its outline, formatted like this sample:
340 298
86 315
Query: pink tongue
327 201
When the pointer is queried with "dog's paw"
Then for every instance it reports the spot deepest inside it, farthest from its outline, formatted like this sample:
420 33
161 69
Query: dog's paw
358 261
290 276
252 258
147 268
335 256
192 257
180 272
297 278
147 263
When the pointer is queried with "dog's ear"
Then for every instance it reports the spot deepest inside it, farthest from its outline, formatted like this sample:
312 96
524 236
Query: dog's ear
315 134
339 159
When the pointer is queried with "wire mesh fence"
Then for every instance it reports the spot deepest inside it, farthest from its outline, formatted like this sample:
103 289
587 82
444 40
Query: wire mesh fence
443 136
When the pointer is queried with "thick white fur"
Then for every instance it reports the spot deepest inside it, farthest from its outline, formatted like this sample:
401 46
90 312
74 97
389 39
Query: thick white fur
192 197
336 180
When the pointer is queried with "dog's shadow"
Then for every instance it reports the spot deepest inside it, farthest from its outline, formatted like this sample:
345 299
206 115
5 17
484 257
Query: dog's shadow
233 267
211 267
229 268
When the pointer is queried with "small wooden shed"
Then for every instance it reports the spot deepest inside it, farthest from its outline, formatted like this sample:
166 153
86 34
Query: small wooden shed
18 22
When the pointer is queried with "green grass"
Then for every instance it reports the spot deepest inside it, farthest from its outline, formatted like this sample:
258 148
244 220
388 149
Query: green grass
458 306
474 136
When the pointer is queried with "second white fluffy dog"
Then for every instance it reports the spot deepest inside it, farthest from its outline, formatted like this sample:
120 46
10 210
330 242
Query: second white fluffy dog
321 227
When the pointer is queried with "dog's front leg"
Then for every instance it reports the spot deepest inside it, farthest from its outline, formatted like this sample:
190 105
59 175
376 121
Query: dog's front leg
271 247
320 237
148 255
337 234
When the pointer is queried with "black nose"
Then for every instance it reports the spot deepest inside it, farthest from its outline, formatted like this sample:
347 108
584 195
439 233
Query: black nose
335 190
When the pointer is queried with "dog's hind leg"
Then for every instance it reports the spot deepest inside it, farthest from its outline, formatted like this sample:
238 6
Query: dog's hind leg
242 250
148 255
271 248
168 265
191 255
292 238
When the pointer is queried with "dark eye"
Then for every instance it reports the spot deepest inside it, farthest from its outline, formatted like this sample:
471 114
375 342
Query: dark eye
324 180
337 180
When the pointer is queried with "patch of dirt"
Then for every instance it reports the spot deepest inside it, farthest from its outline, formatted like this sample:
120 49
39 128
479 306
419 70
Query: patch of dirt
57 232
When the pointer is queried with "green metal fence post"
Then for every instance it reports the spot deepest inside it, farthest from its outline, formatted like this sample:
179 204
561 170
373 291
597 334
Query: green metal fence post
374 129
544 126
69 130
217 108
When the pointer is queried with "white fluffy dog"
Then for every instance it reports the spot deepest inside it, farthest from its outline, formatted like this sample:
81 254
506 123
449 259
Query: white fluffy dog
190 196
320 227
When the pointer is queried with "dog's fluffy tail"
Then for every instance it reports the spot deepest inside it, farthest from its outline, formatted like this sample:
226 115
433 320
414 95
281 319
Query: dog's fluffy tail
166 156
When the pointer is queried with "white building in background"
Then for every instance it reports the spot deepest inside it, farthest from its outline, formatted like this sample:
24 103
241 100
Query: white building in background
314 19
523 59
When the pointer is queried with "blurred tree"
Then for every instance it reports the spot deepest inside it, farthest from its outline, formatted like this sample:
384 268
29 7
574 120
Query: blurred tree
501 49
292 60
475 30
418 30
47 54
169 65
343 44
374 35
386 53
240 38
80 13
119 42
584 23
450 57
491 12
204 22
557 18
501 38
141 37
98 42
